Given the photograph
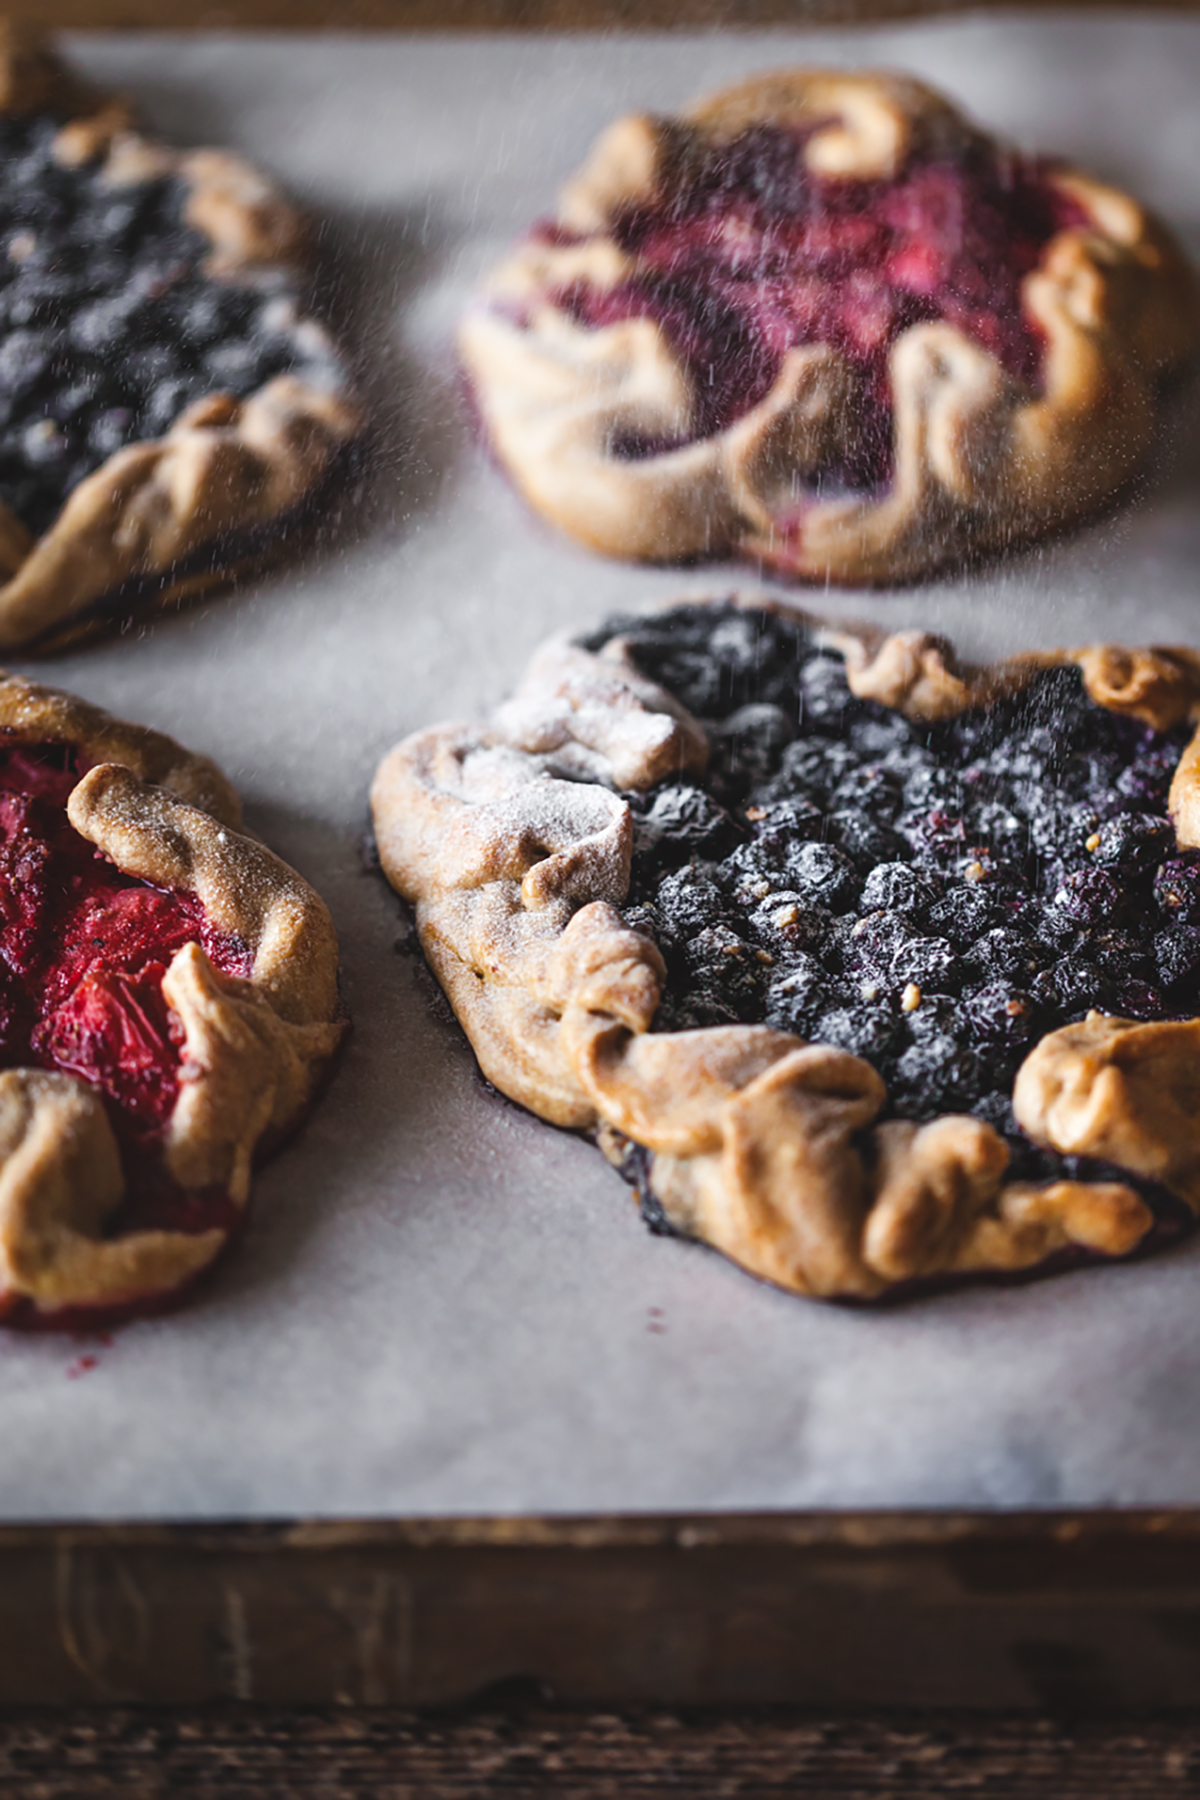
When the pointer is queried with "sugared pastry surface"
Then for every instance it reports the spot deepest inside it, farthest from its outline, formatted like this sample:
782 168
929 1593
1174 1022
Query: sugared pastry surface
168 1002
865 966
166 402
824 321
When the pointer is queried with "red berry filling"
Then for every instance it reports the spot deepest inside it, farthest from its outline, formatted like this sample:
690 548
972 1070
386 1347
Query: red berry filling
83 952
756 255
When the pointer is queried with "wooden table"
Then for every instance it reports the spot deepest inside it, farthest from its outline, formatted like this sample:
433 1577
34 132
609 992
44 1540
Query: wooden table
1079 1614
385 1755
1067 1613
841 1654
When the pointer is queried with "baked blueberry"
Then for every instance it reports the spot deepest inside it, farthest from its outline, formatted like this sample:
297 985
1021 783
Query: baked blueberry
1003 953
824 697
814 767
1138 999
1133 841
823 874
863 839
1177 960
1092 897
689 901
1120 954
867 1029
780 825
147 298
788 922
871 788
928 963
1077 983
874 732
982 927
876 938
723 971
800 995
1177 889
930 1015
682 821
1003 1014
899 887
937 1074
965 911
746 746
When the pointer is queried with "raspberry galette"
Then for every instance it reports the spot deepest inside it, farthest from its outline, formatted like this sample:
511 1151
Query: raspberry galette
168 1003
823 321
864 966
166 403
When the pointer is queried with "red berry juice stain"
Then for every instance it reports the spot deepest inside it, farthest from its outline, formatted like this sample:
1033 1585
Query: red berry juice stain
90 1359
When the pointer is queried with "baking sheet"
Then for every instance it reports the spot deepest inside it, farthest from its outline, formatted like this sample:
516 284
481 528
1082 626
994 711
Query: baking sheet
442 1306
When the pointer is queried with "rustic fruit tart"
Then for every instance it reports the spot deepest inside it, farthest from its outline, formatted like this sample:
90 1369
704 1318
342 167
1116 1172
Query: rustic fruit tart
824 321
166 401
168 1003
865 966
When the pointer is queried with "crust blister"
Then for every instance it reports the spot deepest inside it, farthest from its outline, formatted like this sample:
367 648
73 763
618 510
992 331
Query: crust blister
226 469
253 1049
981 461
764 1146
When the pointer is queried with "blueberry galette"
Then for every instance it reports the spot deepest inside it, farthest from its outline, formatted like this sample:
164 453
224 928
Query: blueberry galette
824 321
165 403
168 1002
864 966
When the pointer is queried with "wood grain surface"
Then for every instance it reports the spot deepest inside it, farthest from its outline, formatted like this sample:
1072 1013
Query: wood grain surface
483 15
1087 1615
397 1756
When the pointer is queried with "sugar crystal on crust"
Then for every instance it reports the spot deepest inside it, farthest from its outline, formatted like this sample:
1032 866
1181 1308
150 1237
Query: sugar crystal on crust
879 897
824 321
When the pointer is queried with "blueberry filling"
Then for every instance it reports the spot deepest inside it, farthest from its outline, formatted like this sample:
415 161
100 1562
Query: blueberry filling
934 899
83 952
753 255
109 327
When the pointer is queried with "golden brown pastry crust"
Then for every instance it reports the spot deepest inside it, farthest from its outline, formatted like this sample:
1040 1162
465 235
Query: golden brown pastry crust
253 1051
760 1144
227 469
980 461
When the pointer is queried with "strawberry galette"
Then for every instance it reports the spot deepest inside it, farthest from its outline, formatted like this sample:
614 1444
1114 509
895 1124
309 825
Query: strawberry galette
866 967
168 1003
824 321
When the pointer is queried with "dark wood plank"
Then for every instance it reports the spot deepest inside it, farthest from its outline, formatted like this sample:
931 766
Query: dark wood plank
1092 1614
477 15
245 1756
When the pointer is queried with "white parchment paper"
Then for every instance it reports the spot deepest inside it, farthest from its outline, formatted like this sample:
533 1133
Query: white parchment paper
442 1305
